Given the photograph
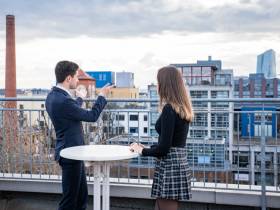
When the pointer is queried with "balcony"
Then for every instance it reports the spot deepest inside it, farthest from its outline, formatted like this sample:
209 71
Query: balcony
221 174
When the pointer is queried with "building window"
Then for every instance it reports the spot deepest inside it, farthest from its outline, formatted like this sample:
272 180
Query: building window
133 117
208 155
198 133
153 94
154 117
145 118
200 119
133 130
241 159
206 71
145 130
203 159
222 79
120 117
236 85
197 75
187 71
199 94
220 120
219 134
199 105
120 130
219 94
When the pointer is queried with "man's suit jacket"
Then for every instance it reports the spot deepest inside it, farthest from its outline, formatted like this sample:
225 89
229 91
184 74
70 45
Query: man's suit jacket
66 115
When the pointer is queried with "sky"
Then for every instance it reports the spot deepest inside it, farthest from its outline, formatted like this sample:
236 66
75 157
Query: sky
137 36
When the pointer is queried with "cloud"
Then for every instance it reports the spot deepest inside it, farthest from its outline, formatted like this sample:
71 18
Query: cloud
245 1
138 36
127 18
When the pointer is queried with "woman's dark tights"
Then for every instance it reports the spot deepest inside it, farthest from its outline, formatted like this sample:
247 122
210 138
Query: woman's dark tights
166 204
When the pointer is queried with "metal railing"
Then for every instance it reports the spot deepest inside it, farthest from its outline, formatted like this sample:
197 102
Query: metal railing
232 144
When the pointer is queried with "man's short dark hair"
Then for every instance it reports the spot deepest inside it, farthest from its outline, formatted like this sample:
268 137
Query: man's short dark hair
65 68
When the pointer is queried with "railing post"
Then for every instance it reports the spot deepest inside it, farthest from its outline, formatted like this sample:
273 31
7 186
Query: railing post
263 181
252 165
275 168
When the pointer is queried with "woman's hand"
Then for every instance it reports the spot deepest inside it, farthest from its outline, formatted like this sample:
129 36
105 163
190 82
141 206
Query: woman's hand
135 147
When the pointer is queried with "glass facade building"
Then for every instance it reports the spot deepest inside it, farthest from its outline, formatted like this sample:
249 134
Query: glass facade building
266 64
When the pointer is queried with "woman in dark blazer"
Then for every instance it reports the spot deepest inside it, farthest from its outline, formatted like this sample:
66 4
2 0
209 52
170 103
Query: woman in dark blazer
171 182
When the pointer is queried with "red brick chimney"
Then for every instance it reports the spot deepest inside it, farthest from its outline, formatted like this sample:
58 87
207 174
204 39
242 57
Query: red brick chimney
10 128
10 81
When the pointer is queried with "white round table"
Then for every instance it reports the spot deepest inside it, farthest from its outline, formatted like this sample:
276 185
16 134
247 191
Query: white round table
101 156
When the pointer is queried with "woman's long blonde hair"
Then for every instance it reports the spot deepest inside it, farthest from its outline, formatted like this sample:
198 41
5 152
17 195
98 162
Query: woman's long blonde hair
171 90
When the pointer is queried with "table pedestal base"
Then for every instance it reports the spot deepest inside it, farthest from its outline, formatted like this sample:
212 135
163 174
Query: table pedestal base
101 170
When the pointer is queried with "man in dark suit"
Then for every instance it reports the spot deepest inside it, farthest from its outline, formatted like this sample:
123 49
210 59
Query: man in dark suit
66 115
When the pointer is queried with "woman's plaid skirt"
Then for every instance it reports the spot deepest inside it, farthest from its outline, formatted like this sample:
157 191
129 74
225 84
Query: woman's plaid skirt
172 177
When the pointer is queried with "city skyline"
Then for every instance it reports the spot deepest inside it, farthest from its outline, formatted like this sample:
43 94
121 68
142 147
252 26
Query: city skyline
137 36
